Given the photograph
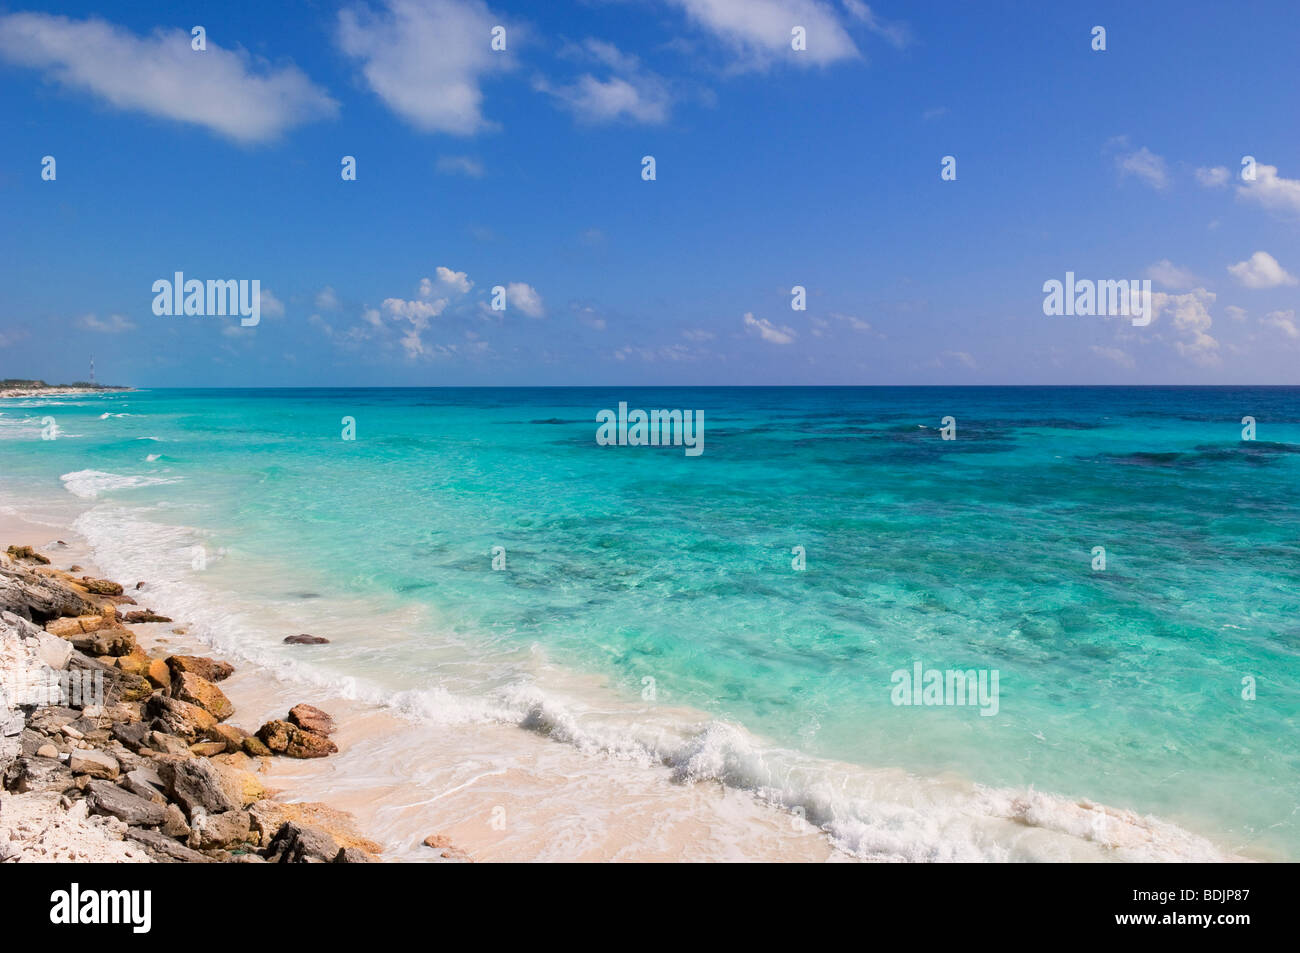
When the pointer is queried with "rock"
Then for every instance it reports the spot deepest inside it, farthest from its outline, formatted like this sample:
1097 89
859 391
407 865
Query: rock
305 639
254 747
107 798
42 774
50 720
173 824
310 718
26 552
145 782
139 618
53 651
165 847
118 686
231 738
226 830
140 585
97 764
353 855
197 784
196 690
47 751
74 568
136 662
134 735
284 737
168 744
76 626
269 816
38 598
295 844
445 848
112 640
159 675
210 669
206 749
178 717
101 587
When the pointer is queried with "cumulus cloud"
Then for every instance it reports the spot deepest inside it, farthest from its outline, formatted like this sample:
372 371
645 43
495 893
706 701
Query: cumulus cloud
525 297
1170 275
326 299
1191 321
1212 177
269 304
457 280
113 324
1261 270
1145 165
1271 191
896 34
226 91
426 59
1284 321
768 331
630 92
758 31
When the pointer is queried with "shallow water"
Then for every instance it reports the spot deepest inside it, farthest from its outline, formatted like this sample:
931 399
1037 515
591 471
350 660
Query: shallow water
649 618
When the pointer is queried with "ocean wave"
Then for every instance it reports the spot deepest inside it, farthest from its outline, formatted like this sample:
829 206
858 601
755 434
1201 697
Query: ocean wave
89 484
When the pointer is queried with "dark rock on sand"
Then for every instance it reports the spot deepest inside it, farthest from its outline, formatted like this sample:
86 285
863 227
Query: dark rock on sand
107 798
196 785
139 618
305 639
166 849
297 844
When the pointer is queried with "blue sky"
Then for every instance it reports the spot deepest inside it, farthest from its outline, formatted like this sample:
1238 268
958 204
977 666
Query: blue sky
775 168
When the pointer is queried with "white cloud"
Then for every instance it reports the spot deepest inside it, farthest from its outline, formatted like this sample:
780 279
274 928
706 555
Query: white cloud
1170 275
460 165
1284 321
1271 191
327 300
457 280
897 34
1191 319
113 324
856 324
1261 270
768 331
525 297
1146 165
1237 314
758 31
698 335
1117 355
594 100
1212 177
270 305
226 91
426 58
414 311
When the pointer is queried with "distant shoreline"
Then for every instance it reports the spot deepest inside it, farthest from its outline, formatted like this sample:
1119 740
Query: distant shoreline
42 389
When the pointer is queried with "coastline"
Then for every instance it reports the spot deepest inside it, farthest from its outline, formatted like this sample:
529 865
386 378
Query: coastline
479 785
147 767
57 391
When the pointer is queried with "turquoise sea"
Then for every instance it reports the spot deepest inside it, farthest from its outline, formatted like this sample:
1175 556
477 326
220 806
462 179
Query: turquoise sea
669 579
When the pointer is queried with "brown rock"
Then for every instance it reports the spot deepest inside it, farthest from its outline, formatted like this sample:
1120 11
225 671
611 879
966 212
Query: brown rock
197 784
97 764
226 830
210 669
159 675
174 823
445 848
230 737
136 663
295 844
196 690
101 587
206 749
178 717
305 639
311 718
168 744
139 618
269 816
284 737
26 552
254 747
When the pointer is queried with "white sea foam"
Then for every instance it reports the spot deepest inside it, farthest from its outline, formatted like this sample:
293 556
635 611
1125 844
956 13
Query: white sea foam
90 484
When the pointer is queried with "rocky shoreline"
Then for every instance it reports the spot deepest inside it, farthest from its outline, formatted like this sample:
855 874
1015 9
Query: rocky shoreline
110 752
